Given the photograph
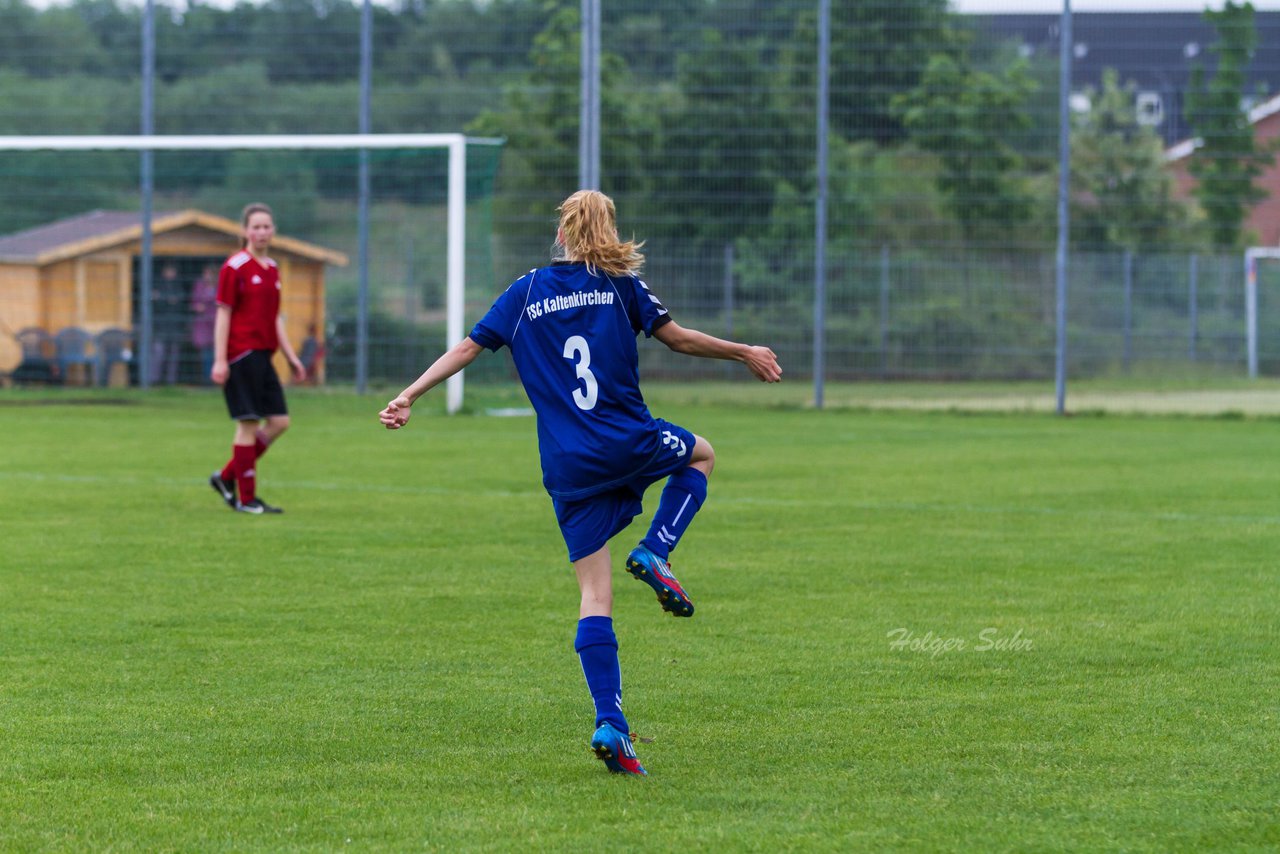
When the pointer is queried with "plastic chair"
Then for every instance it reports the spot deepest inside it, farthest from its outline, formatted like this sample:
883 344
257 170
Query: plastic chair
113 349
37 352
72 345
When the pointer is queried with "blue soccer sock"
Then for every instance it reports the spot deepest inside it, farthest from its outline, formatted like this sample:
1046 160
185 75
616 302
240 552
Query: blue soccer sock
597 648
682 497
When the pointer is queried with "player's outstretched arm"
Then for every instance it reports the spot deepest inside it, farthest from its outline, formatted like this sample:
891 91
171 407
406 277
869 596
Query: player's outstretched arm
761 361
457 357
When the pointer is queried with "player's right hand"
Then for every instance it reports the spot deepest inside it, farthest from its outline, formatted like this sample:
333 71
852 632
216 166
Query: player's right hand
397 413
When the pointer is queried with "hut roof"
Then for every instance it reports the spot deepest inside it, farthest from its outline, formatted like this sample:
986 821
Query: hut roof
99 230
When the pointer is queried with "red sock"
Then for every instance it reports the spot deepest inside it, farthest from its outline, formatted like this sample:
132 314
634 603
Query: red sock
229 470
246 475
260 446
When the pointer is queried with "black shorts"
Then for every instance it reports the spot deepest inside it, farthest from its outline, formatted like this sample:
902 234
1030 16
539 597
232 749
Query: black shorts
252 389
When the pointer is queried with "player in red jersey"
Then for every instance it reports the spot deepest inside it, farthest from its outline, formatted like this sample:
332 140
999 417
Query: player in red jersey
247 330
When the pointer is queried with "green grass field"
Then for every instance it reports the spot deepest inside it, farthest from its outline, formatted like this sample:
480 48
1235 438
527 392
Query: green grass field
389 666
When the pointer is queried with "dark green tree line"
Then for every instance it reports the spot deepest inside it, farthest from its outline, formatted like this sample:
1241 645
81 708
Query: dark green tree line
708 110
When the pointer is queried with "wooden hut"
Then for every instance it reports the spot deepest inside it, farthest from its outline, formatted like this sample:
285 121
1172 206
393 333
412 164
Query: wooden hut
82 272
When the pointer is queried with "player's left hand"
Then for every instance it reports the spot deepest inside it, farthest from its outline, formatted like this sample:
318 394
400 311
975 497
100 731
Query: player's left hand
299 370
397 413
763 364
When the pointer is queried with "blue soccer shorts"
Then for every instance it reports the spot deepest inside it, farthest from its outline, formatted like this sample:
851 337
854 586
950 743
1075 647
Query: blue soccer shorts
588 523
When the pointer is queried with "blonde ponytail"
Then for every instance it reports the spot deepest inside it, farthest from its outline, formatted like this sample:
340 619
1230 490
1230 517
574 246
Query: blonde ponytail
588 225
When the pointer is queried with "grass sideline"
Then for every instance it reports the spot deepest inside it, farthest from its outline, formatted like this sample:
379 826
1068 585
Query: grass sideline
389 665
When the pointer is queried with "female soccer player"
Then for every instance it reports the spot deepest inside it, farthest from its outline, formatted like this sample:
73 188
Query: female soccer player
572 331
247 330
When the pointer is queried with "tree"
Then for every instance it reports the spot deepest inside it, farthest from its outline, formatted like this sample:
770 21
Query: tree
54 42
40 186
447 37
725 139
880 50
1229 157
539 117
1122 192
283 179
969 120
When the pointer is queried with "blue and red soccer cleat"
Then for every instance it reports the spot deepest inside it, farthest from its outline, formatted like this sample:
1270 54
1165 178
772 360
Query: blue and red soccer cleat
614 749
656 572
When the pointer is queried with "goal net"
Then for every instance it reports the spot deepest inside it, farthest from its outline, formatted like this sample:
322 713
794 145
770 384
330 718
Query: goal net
374 284
1262 308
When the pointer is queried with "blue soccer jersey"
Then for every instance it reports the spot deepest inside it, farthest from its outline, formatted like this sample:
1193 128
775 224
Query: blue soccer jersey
573 339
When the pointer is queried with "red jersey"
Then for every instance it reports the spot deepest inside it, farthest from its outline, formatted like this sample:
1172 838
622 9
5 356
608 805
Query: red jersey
251 289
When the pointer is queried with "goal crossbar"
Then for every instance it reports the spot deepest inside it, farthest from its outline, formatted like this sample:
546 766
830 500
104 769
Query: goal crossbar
455 143
161 142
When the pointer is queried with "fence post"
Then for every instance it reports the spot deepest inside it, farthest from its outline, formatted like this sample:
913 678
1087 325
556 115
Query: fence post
1193 305
820 204
412 299
146 337
1251 311
728 301
1066 45
364 191
1128 309
589 98
884 310
728 291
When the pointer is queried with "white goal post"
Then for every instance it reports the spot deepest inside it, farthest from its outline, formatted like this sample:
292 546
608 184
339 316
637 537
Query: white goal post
455 143
1251 257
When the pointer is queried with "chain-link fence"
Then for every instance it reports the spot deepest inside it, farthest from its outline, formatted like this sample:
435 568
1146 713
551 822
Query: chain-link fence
942 178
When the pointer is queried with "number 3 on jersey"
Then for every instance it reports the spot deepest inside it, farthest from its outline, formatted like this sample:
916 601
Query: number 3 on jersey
577 351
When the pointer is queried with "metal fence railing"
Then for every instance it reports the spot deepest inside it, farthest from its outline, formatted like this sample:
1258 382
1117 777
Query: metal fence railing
943 165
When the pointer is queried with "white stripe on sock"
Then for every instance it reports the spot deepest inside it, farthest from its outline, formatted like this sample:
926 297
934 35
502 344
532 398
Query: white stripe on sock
687 499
